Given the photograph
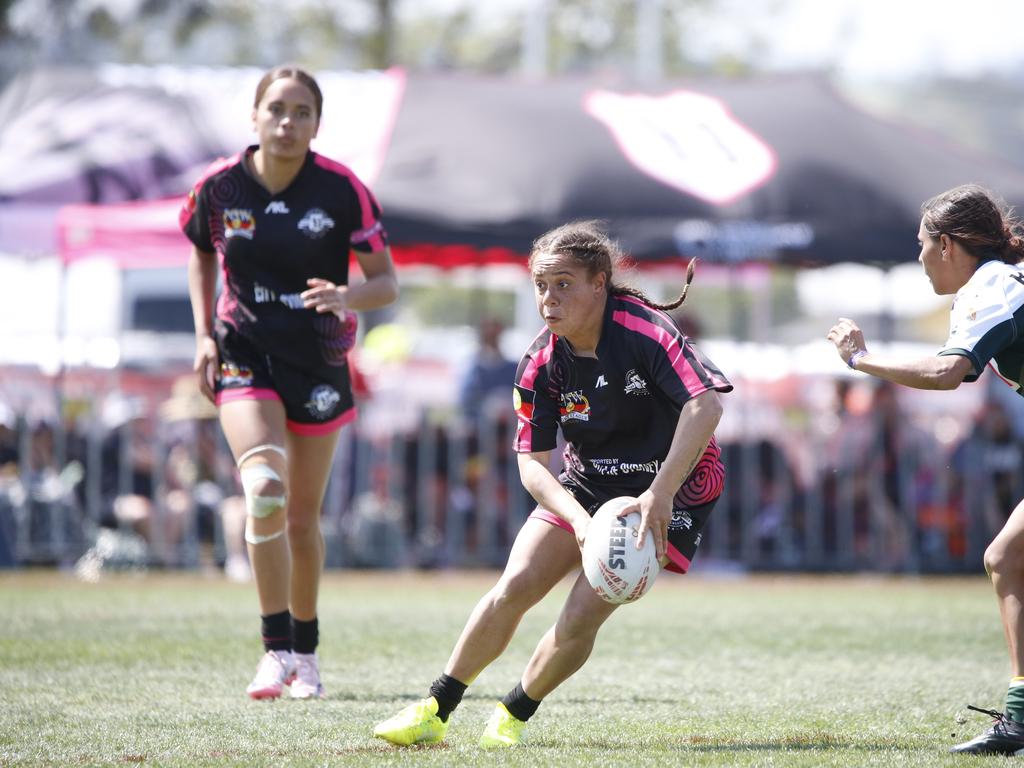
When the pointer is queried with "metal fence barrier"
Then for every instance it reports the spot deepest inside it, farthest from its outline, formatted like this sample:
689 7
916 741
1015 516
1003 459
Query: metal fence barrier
447 495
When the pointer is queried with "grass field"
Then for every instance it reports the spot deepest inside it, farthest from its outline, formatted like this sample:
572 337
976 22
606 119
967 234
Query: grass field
702 672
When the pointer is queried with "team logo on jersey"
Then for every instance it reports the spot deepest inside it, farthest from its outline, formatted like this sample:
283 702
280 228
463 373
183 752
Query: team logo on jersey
238 222
575 407
322 401
315 223
635 384
232 374
681 520
601 382
276 206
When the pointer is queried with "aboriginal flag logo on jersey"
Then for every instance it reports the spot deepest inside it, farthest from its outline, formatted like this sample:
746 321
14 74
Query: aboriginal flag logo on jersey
522 401
575 407
239 222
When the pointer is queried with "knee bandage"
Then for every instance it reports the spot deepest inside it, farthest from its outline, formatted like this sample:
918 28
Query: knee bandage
259 505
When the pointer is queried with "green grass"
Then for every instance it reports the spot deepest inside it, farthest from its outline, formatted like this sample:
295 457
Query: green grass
803 671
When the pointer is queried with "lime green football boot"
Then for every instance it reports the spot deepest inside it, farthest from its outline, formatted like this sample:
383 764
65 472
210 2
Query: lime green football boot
416 724
503 730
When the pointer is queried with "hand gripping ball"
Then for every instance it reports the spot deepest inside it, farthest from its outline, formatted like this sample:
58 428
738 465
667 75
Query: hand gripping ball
616 569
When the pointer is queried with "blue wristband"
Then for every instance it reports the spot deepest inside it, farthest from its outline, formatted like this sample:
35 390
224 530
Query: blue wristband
852 362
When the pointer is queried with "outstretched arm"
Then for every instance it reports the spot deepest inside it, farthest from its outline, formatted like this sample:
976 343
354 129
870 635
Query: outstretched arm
937 372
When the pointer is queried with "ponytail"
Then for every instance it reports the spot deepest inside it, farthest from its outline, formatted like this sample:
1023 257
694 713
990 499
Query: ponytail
1013 253
636 293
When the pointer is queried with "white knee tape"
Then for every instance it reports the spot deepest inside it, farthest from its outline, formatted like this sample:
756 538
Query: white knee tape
260 449
254 538
255 504
259 505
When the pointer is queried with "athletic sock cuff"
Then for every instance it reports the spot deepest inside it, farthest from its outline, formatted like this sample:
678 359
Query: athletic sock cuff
448 691
276 629
519 705
305 635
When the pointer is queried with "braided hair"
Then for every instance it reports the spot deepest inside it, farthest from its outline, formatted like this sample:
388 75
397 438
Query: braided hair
589 246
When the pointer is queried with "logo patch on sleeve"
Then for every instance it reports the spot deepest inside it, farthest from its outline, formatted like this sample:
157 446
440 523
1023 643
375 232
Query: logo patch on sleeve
522 401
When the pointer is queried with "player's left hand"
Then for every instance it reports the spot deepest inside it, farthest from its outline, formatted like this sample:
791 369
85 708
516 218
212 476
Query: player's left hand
325 296
655 515
847 337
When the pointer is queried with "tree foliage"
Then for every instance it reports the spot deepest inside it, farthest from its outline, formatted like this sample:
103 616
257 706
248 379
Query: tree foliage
582 35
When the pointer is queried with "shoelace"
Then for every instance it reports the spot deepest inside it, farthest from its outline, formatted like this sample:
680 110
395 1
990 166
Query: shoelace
990 712
1002 722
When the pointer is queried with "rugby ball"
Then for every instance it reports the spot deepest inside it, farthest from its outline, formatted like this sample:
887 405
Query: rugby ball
616 569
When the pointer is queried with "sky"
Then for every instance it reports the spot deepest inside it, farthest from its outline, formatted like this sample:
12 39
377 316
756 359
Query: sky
880 39
861 39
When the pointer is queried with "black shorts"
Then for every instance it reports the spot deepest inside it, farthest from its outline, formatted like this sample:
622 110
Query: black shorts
316 400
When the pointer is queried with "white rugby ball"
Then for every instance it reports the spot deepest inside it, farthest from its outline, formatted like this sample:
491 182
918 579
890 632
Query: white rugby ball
616 569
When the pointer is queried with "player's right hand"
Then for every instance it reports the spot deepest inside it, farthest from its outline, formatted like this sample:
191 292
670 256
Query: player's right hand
206 364
579 528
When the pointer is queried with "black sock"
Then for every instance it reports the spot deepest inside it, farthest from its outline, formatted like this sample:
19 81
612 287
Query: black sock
519 705
305 635
448 692
277 631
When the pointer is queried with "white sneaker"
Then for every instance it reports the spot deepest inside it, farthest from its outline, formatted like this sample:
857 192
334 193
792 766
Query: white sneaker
276 670
306 682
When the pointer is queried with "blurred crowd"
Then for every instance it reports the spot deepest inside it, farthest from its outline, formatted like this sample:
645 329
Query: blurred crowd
864 482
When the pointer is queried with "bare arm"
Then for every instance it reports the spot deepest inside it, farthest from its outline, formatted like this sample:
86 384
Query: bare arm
549 493
379 289
938 372
202 285
696 425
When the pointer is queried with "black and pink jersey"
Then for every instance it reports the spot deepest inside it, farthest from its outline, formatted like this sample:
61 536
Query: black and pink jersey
269 245
618 412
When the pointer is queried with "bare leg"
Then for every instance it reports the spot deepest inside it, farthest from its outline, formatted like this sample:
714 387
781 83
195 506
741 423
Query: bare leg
567 645
247 424
309 468
1004 561
541 557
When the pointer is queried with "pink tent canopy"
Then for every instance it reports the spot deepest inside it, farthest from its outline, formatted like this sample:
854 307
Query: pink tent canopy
144 234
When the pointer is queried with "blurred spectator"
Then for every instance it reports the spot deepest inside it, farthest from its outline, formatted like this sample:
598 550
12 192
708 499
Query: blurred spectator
8 441
200 481
373 534
8 481
988 473
481 495
877 464
490 376
42 498
762 501
128 477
